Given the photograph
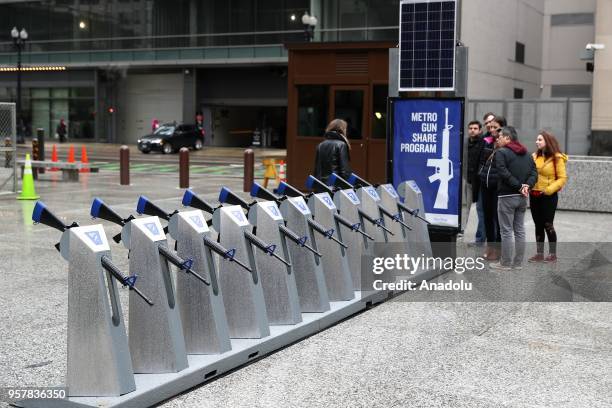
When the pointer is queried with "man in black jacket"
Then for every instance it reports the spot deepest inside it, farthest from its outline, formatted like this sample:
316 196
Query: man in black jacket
516 174
474 148
488 186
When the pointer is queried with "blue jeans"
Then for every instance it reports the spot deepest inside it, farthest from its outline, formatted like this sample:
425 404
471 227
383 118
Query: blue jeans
481 232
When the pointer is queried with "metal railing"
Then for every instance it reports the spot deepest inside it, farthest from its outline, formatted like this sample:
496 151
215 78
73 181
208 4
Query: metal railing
569 119
252 38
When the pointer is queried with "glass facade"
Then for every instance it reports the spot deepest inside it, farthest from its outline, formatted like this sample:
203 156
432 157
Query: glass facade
72 25
44 107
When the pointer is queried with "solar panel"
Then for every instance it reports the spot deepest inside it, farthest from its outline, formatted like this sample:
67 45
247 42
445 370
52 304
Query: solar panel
427 45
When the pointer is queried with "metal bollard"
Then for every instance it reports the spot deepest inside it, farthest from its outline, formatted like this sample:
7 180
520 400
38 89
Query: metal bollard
249 169
184 167
40 136
124 166
35 157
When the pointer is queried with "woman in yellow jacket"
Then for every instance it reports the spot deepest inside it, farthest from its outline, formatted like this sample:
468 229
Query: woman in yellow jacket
550 163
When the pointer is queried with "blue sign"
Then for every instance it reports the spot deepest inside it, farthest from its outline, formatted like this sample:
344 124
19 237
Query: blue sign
427 139
152 227
238 215
197 221
95 237
274 210
353 197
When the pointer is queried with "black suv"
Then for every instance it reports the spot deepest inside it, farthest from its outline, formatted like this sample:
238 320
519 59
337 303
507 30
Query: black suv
170 137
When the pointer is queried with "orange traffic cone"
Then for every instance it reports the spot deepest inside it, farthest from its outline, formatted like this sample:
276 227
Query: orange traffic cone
84 161
71 154
54 158
282 175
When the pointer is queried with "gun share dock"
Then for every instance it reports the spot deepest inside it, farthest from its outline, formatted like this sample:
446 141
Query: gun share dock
249 278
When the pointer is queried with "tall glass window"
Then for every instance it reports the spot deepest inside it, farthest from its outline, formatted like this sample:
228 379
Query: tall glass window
74 105
312 109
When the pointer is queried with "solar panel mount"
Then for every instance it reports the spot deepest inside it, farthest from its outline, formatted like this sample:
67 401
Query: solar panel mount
427 45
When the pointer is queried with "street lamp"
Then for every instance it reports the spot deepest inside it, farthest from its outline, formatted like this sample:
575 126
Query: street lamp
309 23
19 40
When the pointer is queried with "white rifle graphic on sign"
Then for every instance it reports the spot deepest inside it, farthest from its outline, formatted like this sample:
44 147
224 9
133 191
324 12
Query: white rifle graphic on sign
444 168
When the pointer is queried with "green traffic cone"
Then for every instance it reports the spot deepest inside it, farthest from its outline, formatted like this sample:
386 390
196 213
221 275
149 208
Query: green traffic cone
27 184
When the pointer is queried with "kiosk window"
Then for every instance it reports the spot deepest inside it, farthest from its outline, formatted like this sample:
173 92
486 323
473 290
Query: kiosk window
312 109
349 106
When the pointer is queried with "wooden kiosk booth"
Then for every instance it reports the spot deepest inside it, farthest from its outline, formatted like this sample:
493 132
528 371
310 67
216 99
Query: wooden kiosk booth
349 81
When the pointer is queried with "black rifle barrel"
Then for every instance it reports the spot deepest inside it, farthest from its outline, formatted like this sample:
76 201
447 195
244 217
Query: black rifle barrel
414 213
353 226
301 241
339 182
357 181
378 222
180 263
224 252
108 265
394 217
263 246
318 186
326 233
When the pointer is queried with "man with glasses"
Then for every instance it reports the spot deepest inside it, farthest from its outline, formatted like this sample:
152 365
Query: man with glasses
474 147
516 175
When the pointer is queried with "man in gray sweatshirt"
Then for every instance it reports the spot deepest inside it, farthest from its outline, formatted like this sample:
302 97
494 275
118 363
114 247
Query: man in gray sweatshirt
516 174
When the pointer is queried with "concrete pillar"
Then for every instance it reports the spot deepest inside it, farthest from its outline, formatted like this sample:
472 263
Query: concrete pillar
316 10
189 95
601 119
193 23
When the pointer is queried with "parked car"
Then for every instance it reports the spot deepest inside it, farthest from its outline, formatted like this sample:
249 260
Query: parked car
170 137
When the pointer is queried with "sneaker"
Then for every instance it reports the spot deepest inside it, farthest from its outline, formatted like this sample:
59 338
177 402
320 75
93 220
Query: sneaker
499 266
537 258
517 267
551 258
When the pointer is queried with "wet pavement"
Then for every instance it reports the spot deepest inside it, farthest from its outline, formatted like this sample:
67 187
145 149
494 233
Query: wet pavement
401 353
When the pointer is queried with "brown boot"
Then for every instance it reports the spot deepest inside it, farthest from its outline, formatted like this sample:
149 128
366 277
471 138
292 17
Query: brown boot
486 252
494 254
539 257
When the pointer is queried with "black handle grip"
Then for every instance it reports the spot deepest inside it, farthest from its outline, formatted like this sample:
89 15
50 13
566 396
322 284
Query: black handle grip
263 246
180 263
327 233
394 217
377 222
413 212
353 226
224 252
128 281
301 241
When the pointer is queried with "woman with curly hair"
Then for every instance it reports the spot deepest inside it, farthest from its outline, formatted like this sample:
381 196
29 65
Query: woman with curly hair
550 163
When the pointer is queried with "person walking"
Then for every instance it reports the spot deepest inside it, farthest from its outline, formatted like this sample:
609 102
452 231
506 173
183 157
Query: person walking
516 174
474 147
552 176
61 131
333 154
488 187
